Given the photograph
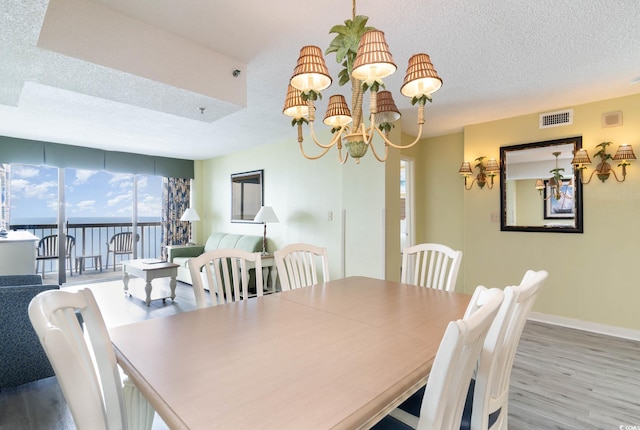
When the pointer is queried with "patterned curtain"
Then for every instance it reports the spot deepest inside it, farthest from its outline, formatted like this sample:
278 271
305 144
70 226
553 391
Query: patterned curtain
175 200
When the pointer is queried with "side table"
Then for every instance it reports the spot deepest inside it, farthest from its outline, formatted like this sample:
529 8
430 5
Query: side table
80 262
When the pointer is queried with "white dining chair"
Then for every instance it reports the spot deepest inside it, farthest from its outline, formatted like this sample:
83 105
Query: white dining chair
452 369
431 265
297 265
85 365
487 402
225 273
488 394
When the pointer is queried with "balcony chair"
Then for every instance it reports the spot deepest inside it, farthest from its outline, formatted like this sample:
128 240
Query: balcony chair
48 250
94 393
296 264
431 265
453 366
225 273
120 244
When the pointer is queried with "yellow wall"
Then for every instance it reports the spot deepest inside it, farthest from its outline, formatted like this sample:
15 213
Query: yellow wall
592 275
439 193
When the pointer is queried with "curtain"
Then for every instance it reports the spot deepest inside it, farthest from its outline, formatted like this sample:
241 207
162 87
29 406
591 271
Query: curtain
5 205
175 200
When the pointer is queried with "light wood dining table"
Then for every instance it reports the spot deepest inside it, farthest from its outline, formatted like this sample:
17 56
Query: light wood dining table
338 355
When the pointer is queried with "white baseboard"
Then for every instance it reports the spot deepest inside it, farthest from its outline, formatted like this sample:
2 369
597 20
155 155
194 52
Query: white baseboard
620 332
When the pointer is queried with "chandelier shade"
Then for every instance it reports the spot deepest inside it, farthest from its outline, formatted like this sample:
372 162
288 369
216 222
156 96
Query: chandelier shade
624 152
294 106
338 113
311 73
465 169
581 157
373 60
492 167
421 78
387 110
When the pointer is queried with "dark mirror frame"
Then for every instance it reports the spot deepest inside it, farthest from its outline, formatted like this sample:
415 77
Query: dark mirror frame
247 195
578 227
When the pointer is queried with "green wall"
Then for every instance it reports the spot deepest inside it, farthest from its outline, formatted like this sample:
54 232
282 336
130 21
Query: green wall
323 202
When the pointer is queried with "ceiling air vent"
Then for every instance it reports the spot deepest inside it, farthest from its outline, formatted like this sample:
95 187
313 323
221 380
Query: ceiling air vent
556 119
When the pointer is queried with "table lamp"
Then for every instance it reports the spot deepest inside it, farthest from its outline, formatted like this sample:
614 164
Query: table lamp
265 215
190 215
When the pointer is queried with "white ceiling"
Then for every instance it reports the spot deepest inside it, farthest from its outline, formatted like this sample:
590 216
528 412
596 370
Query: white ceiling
132 75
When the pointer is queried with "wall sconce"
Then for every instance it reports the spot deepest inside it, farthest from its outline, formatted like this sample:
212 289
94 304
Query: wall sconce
603 169
488 170
555 182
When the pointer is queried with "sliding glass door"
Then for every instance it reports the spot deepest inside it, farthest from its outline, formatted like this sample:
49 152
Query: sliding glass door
89 207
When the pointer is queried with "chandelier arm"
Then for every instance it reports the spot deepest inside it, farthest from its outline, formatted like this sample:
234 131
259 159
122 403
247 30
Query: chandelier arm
375 154
334 139
346 156
616 176
590 177
393 145
470 185
313 157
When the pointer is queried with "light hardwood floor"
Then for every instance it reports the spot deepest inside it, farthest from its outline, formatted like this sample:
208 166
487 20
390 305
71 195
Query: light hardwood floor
562 378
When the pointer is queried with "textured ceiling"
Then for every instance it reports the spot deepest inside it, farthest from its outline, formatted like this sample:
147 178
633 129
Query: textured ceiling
132 75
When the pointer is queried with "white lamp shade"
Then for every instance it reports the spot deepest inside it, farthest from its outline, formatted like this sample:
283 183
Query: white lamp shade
265 215
190 215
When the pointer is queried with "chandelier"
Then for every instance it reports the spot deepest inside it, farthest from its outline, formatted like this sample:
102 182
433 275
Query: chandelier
555 184
364 55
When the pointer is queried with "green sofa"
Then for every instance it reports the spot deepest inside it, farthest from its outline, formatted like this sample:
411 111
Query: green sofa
181 254
23 359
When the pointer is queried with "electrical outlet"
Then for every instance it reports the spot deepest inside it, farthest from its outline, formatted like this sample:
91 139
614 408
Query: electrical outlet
330 216
494 217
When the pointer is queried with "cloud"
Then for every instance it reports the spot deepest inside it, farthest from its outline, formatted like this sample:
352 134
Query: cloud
86 205
32 190
25 171
149 206
19 185
82 176
119 199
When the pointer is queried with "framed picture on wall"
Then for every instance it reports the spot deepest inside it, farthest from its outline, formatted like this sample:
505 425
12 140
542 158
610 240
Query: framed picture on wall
246 195
560 204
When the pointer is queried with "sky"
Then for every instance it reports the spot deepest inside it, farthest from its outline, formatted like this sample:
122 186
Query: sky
34 193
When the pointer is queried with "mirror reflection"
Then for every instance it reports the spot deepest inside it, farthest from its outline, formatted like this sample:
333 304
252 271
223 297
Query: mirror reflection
539 187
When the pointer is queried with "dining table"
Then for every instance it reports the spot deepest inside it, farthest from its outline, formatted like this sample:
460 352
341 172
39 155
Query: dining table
336 355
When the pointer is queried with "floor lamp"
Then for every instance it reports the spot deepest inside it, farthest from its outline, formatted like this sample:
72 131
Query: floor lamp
265 215
190 215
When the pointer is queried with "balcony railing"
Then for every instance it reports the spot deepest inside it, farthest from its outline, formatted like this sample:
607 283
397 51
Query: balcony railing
92 239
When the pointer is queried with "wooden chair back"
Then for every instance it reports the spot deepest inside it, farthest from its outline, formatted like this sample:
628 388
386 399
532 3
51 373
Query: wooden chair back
94 394
431 265
491 392
297 266
225 273
48 249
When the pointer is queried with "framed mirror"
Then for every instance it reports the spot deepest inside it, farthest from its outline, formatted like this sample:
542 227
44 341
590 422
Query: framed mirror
246 195
540 190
